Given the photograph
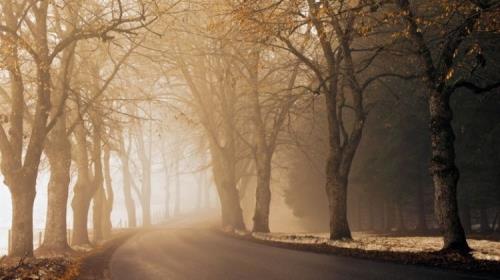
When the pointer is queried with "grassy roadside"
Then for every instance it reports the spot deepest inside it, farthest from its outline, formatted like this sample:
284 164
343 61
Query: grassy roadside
92 264
429 259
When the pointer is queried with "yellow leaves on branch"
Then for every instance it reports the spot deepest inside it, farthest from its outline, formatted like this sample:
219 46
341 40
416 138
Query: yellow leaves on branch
450 73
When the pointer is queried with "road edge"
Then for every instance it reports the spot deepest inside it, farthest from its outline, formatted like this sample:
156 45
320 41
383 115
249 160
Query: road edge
96 265
438 260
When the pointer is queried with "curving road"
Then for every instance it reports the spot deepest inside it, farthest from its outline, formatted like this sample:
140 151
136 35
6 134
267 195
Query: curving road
203 254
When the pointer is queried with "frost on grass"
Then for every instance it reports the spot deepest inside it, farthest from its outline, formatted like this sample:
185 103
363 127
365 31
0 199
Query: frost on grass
483 249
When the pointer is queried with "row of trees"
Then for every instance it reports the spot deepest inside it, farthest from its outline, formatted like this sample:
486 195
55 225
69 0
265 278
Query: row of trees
58 63
248 54
88 80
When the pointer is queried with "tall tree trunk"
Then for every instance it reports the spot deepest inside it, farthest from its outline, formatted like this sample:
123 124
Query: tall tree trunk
199 195
58 151
167 193
371 218
263 194
108 204
231 212
206 186
145 157
401 220
465 216
421 217
80 204
177 198
22 219
55 237
387 216
97 215
98 179
445 173
146 204
84 189
233 206
337 198
263 153
127 184
484 221
359 213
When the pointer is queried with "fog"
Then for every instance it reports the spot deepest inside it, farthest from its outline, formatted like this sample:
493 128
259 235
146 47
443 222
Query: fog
334 118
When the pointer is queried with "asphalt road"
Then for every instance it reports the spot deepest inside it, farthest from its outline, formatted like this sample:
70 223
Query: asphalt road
203 254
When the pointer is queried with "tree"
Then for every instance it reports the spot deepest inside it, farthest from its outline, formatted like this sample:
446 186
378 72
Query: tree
448 66
124 152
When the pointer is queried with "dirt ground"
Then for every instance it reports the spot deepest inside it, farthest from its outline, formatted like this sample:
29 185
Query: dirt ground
83 264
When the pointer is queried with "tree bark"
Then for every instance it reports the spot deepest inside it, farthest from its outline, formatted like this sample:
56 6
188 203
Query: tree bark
401 226
58 151
199 195
421 217
263 194
233 206
81 206
206 187
167 183
145 157
225 181
337 198
177 197
371 219
388 221
99 195
127 184
445 174
466 215
55 237
84 189
97 215
484 221
22 220
109 197
167 195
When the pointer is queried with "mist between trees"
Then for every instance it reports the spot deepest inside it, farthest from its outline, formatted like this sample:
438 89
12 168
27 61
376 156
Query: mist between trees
359 115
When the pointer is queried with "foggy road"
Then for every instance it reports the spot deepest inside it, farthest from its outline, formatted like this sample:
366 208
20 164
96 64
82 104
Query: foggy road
201 253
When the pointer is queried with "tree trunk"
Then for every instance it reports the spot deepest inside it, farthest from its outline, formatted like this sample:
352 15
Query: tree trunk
359 213
55 237
387 216
445 173
177 198
108 203
145 154
199 195
231 213
97 215
371 218
58 151
466 215
235 213
22 220
84 189
337 200
167 193
80 205
421 219
263 194
484 220
401 221
146 188
206 186
127 185
98 179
